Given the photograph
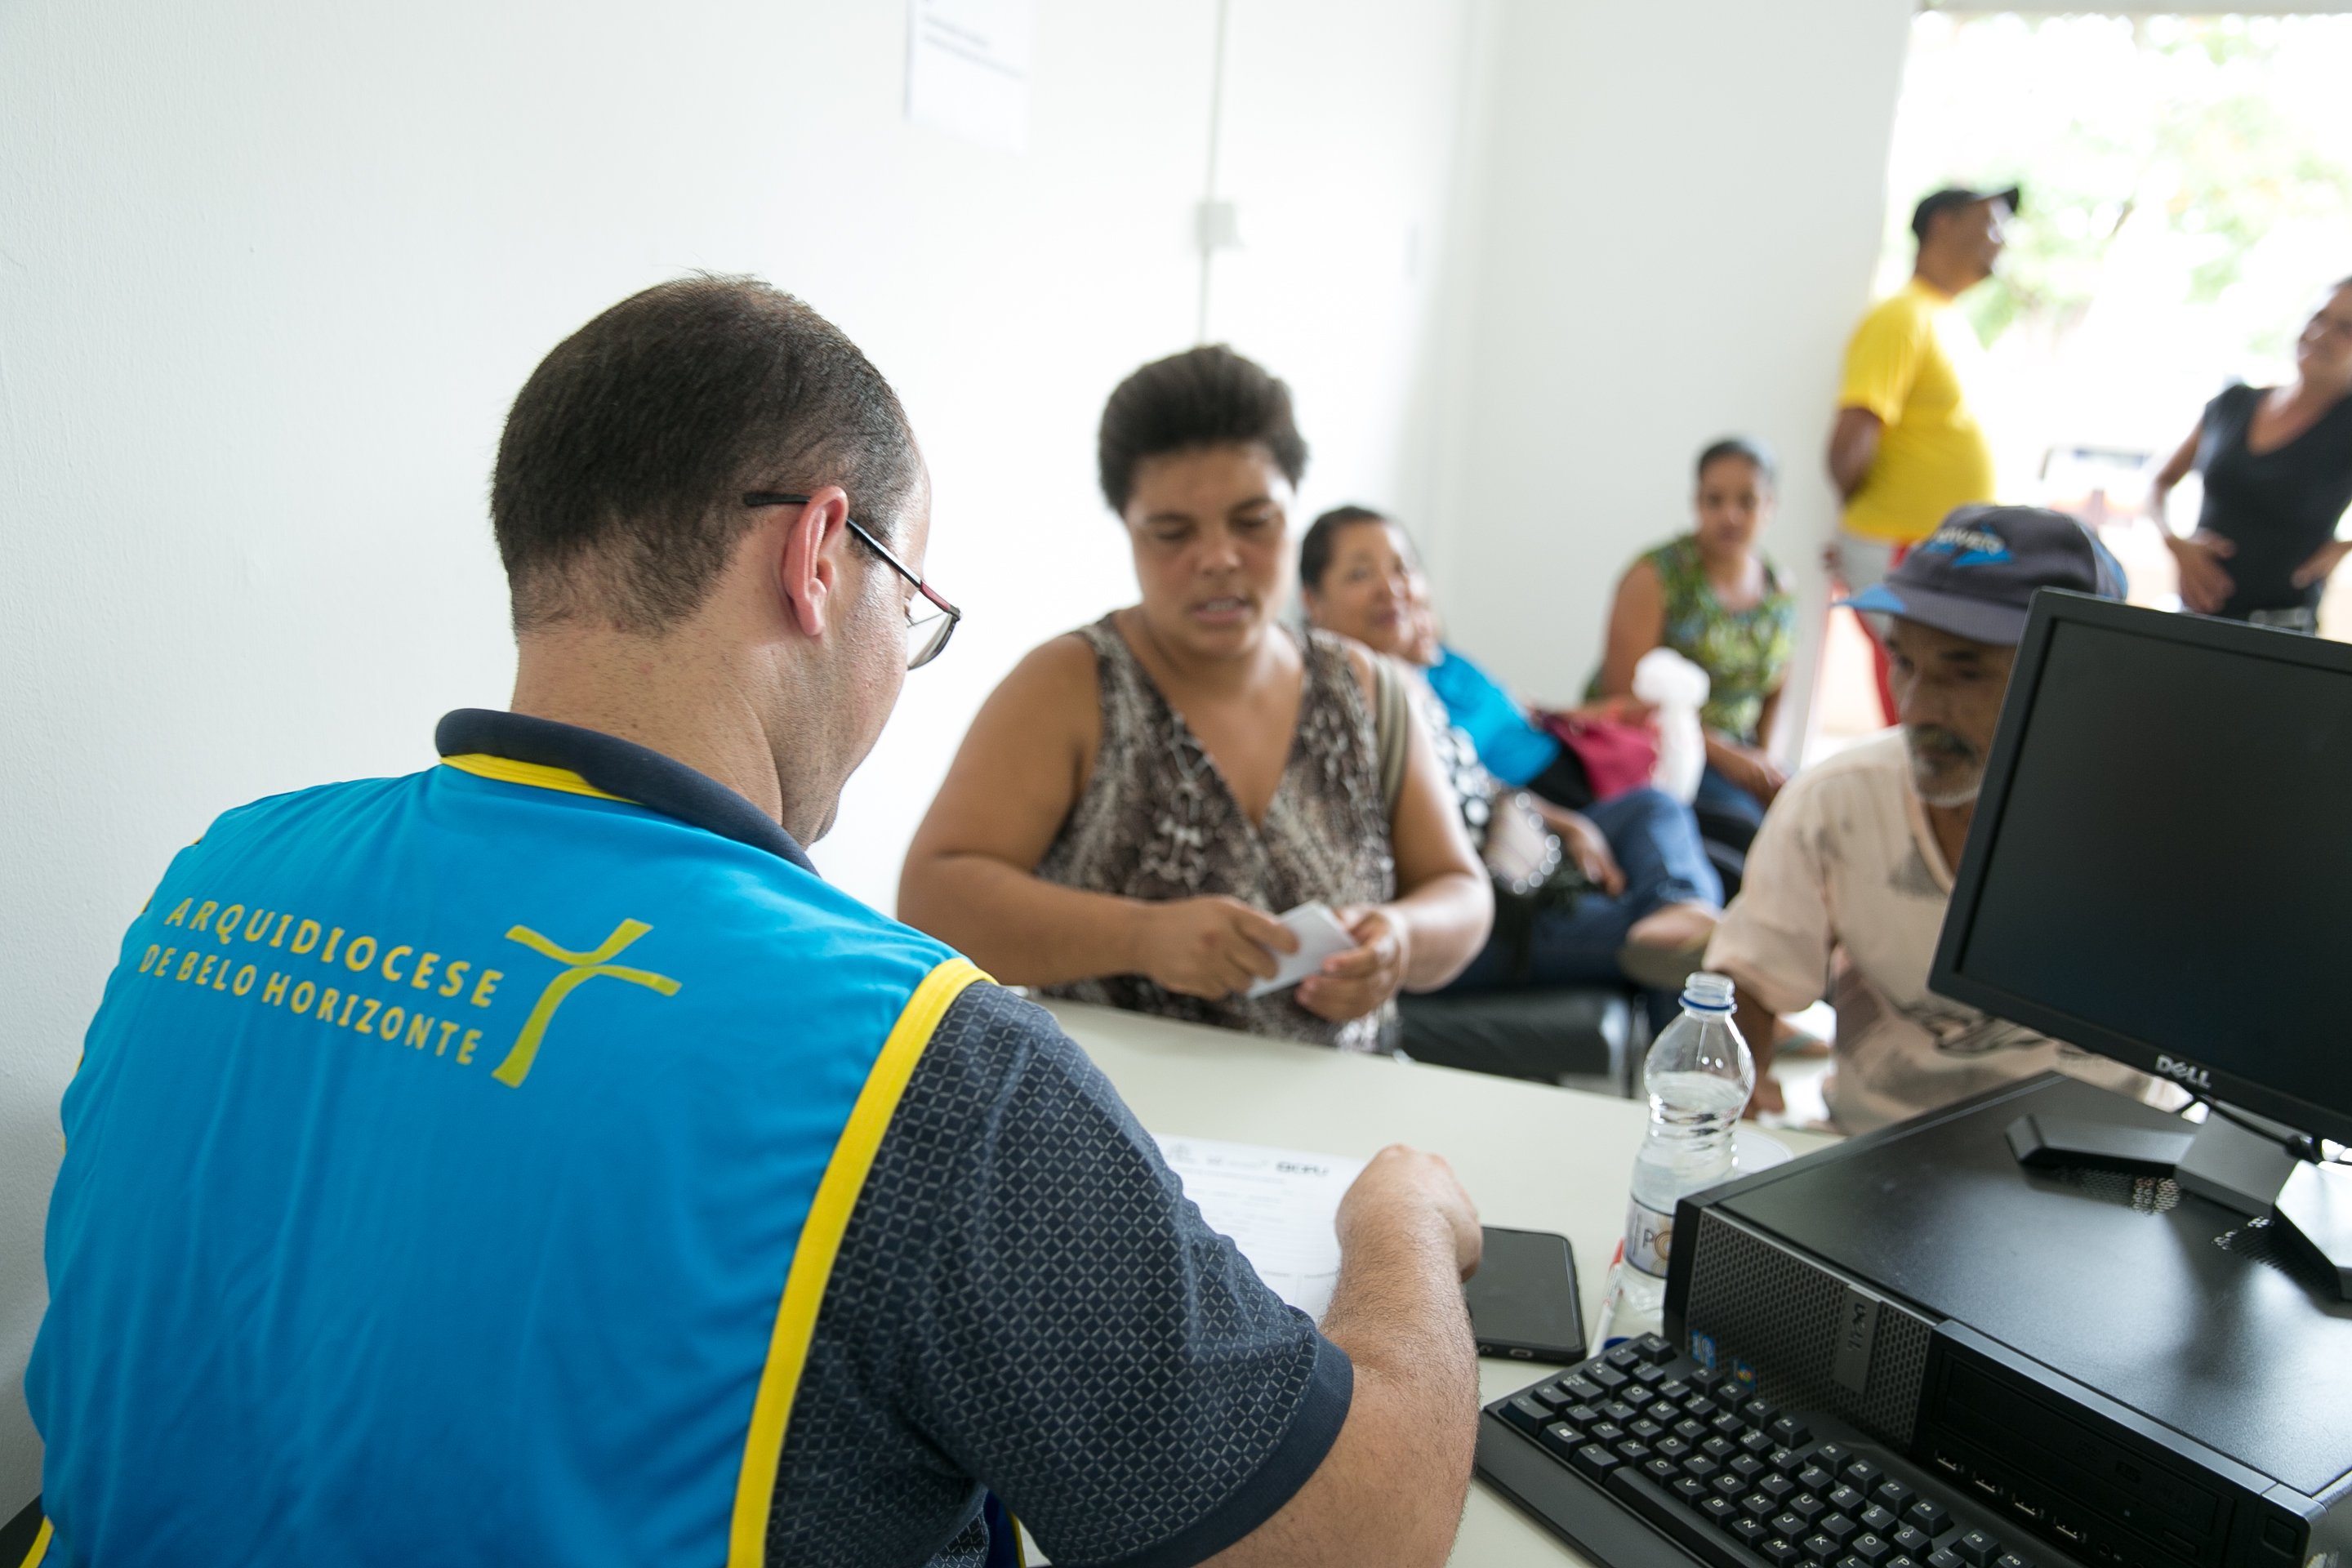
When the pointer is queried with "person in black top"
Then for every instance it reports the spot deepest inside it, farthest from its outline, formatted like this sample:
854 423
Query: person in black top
2277 463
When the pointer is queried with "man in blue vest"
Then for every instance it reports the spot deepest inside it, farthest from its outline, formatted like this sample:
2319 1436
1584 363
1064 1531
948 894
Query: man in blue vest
532 1160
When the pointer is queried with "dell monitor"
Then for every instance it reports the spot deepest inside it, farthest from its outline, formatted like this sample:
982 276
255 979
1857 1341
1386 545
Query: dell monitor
2159 871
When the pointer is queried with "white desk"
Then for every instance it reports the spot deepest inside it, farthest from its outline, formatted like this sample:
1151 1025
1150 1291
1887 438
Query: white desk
1533 1158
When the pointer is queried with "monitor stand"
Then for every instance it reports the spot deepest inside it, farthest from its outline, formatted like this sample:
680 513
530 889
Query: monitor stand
2239 1160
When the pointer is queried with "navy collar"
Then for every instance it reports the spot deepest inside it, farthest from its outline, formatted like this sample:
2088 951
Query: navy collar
636 773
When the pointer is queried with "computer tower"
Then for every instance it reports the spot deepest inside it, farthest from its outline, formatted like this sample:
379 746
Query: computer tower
2133 1374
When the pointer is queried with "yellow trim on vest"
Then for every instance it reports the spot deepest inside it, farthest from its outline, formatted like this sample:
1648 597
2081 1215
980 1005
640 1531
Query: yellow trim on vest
828 1218
40 1546
506 770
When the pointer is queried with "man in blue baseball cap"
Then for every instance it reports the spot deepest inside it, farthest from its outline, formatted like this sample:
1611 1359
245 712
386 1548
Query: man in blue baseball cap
1850 874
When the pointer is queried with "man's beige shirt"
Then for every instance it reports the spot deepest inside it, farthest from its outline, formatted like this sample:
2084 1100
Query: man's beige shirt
1845 892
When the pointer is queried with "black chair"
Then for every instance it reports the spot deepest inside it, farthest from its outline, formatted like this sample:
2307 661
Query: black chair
1578 1037
23 1541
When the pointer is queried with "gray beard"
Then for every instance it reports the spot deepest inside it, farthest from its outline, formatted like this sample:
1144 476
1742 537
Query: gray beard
1950 798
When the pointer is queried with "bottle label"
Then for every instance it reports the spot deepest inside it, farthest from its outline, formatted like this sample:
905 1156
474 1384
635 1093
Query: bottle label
1648 1236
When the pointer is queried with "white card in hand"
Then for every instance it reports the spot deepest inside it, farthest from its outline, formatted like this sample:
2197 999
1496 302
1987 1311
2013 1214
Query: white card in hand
1321 936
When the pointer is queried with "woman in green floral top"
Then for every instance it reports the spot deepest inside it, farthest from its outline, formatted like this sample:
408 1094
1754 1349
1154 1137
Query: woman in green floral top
1712 597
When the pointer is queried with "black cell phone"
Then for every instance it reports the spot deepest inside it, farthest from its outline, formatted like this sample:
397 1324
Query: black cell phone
1523 1299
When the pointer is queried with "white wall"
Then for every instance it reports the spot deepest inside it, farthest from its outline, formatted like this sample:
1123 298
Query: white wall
271 273
1681 203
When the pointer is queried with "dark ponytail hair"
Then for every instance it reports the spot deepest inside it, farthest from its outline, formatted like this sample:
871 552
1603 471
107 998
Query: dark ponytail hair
1208 396
1745 447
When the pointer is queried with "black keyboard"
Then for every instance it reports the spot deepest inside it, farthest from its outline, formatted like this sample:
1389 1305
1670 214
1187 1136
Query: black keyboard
1703 1463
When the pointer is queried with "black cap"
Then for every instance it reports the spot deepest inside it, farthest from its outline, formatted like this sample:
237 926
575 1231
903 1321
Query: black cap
1952 197
1975 577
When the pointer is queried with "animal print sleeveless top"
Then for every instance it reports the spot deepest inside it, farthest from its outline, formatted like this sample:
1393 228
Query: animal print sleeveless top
1158 821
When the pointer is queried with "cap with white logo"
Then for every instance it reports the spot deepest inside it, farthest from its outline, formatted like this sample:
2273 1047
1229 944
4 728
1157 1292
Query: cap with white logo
1975 577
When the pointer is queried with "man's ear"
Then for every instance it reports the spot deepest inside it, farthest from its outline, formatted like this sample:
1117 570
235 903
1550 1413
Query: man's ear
806 546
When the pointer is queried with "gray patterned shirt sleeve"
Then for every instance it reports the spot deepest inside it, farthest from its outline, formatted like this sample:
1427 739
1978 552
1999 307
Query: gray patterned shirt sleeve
1024 1301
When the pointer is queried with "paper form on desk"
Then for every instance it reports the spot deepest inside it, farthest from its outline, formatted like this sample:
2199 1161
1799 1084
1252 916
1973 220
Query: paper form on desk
1279 1205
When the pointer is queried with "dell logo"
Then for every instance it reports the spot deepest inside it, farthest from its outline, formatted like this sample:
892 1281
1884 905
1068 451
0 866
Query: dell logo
2187 1072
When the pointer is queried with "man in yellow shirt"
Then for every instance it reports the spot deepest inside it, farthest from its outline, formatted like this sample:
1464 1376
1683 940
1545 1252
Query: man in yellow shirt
1906 449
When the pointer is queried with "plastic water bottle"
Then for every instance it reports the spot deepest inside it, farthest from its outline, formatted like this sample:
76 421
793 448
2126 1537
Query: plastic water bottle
1698 1075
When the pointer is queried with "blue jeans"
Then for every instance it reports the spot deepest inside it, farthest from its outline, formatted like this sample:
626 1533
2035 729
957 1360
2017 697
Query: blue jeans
1656 842
1727 814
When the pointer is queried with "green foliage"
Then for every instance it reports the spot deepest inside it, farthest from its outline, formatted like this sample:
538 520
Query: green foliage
2164 122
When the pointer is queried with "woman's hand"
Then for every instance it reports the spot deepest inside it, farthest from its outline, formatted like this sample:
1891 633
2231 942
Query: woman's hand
1767 1097
1588 848
1747 767
1210 947
2323 562
1359 981
2205 584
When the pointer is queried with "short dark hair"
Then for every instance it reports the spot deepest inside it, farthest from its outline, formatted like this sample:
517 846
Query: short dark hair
1315 549
1208 396
618 493
1744 446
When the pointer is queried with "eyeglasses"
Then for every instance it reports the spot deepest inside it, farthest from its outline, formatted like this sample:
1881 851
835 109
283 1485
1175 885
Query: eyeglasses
927 635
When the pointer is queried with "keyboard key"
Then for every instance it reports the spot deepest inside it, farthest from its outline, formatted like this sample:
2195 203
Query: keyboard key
1617 1410
1624 1358
1691 1492
1595 1461
1846 1499
1553 1396
1663 1413
1631 1451
1977 1548
1675 1390
1757 1506
1651 1348
1814 1479
1760 1413
1912 1539
1730 1425
1721 1510
1877 1520
1606 1432
1707 1382
1749 1532
1807 1507
1527 1414
1747 1466
1731 1487
1778 1551
1833 1455
1863 1474
1894 1494
1901 1561
1787 1461
1608 1377
1872 1549
1717 1449
1776 1486
1733 1393
1785 1523
1692 1431
1561 1439
1649 1377
1701 1467
1931 1517
1701 1407
1792 1431
1837 1527
1757 1443
1945 1557
1647 1430
1673 1448
1662 1471
2012 1559
1582 1388
1818 1549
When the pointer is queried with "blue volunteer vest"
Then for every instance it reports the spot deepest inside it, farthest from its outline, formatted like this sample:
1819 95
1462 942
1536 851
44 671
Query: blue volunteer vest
453 1174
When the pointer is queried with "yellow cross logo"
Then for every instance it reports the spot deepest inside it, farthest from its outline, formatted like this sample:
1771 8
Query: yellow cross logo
579 968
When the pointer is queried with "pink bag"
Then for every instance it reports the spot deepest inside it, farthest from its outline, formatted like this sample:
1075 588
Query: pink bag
1616 757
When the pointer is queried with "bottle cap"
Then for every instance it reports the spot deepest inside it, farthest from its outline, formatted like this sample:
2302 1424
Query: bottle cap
1707 990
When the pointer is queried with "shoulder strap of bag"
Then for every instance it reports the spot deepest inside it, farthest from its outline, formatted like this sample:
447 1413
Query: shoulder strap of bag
1390 730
